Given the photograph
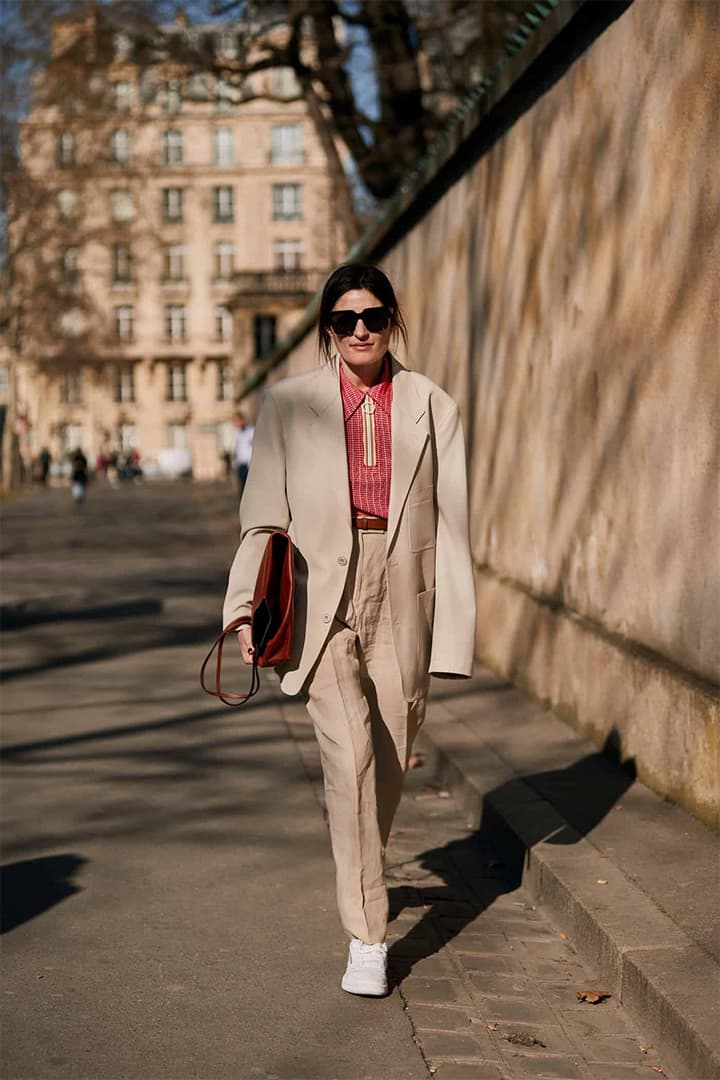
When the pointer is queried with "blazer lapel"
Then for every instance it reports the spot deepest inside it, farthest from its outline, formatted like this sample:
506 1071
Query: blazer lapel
326 432
409 435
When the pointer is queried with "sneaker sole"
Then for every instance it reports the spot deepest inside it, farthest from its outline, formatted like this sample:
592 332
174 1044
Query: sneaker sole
360 990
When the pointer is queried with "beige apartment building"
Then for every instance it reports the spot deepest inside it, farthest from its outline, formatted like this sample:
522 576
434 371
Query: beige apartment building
189 222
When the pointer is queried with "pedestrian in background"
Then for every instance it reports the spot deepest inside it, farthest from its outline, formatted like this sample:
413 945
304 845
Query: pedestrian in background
79 475
44 462
242 449
363 461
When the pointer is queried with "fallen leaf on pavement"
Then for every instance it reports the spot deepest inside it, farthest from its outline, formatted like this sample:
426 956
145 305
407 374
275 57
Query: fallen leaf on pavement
593 997
656 1068
491 1027
523 1038
602 881
564 937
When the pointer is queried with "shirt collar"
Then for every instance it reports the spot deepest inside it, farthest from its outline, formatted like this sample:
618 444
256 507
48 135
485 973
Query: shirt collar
380 392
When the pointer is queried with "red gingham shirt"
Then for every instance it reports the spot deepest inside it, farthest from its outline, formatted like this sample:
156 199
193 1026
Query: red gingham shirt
369 484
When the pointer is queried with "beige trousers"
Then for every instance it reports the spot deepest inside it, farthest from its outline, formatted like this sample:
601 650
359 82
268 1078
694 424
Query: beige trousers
365 729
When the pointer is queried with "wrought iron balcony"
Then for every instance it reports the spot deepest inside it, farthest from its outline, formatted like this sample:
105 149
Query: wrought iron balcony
300 284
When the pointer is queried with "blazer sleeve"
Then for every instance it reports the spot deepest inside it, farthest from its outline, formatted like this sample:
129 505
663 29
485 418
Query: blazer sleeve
453 640
263 508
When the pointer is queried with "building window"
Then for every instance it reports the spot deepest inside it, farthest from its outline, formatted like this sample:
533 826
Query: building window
72 436
224 260
171 96
172 204
223 150
125 322
224 388
287 202
284 83
72 322
264 334
122 95
67 202
176 381
287 254
120 147
148 86
196 87
127 438
172 146
69 266
223 204
65 149
122 264
286 144
122 205
226 44
223 324
124 384
174 263
227 95
71 388
122 45
175 324
177 436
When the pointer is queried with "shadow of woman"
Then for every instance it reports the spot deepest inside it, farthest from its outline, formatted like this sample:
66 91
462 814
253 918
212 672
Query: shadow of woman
558 806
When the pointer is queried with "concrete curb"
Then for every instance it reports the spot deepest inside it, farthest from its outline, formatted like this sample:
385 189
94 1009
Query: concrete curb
668 984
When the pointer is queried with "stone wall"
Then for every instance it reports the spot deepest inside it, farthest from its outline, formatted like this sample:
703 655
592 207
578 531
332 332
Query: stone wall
565 290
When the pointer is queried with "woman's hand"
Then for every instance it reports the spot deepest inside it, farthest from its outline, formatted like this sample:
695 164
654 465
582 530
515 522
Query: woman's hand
245 641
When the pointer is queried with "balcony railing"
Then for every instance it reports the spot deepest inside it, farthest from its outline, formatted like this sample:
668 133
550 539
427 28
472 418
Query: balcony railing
279 282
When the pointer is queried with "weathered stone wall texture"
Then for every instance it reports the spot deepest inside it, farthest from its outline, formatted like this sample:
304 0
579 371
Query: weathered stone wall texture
566 292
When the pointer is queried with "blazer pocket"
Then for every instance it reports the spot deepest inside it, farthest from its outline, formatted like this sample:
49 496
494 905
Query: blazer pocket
425 614
422 523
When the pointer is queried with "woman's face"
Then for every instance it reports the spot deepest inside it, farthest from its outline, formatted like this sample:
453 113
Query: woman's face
363 350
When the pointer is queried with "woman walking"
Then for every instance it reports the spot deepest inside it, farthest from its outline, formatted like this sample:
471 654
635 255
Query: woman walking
363 462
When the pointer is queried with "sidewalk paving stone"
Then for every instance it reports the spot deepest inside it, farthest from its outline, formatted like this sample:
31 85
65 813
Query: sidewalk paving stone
506 977
170 798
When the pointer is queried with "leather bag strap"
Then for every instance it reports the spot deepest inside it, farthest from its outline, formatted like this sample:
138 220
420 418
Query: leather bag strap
234 700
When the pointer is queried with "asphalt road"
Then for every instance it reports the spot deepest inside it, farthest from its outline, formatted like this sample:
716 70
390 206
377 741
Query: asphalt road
168 891
169 895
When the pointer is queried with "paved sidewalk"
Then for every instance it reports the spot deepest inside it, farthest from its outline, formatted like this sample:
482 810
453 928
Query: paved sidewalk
169 889
628 876
489 983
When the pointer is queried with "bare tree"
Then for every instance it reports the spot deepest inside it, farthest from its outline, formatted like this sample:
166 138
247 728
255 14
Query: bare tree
57 132
382 74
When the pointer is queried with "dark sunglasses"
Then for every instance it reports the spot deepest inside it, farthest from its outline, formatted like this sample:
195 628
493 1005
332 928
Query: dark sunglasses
375 319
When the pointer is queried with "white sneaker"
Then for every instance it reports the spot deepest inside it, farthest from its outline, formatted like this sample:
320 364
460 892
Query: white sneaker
366 971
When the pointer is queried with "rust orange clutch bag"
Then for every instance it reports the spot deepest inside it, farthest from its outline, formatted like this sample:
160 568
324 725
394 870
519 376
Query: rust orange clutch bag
271 619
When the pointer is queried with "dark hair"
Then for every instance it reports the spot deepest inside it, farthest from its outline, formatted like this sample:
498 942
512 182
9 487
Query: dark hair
356 276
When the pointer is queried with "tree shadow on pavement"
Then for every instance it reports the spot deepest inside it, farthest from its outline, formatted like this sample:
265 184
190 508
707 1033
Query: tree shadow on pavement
20 616
31 886
557 806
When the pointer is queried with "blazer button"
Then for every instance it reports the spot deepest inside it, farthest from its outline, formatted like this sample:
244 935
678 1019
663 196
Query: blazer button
342 560
326 617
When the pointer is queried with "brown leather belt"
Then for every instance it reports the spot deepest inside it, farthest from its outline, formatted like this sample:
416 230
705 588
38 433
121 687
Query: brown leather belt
378 524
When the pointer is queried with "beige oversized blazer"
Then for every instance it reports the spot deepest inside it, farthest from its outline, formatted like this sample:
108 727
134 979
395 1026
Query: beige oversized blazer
298 481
